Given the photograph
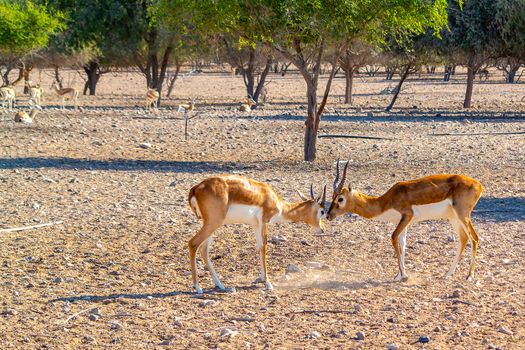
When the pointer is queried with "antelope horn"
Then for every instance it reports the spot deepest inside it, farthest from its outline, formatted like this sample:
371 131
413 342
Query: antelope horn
324 195
342 183
336 175
312 195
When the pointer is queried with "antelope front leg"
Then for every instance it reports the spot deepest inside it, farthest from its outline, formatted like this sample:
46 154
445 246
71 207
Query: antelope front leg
400 250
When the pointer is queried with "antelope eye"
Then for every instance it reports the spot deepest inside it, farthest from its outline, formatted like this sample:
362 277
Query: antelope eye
340 199
322 212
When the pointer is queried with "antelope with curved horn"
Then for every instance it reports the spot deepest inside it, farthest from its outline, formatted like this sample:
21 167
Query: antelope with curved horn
233 199
433 197
187 107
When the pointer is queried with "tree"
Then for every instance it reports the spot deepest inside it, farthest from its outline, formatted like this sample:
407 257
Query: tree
473 34
304 31
357 54
24 27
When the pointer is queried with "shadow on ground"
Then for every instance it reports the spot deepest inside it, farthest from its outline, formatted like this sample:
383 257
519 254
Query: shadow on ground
500 209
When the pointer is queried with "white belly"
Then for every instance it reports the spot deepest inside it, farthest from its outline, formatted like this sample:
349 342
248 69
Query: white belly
243 214
433 211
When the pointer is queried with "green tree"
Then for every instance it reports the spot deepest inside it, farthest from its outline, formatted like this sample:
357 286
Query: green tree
25 26
305 31
473 34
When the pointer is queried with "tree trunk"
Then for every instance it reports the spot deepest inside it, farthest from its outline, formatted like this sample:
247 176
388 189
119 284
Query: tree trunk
93 75
262 80
172 80
58 78
398 87
471 74
349 77
310 132
511 74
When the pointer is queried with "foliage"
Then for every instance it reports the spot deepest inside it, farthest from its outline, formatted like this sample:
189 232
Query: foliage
26 26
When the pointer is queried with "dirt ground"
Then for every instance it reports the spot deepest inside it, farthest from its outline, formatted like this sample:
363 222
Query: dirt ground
115 273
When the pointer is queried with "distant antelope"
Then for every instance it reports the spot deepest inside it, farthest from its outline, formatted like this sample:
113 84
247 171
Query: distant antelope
247 105
434 197
232 199
7 93
66 94
265 95
152 99
483 74
36 93
23 117
187 107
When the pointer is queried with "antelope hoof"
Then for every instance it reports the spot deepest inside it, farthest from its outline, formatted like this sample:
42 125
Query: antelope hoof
470 277
198 289
268 285
401 278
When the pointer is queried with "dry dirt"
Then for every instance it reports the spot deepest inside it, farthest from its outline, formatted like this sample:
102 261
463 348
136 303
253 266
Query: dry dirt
115 274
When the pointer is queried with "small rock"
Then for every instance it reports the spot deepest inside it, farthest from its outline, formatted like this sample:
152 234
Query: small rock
306 243
358 308
114 325
145 145
227 333
58 280
505 330
360 335
392 346
93 317
207 302
8 312
35 206
237 232
178 323
278 239
313 335
173 184
456 294
97 143
423 339
291 268
88 339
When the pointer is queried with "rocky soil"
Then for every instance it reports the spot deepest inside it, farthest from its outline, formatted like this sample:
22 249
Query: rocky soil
115 273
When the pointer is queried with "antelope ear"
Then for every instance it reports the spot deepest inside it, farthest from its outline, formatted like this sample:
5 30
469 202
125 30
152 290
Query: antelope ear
301 195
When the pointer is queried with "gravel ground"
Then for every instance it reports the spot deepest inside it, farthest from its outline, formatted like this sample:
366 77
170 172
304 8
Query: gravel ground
115 274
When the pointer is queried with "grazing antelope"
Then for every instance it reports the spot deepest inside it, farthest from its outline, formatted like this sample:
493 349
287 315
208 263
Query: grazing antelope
187 107
247 105
433 197
66 93
23 117
233 199
152 99
265 95
36 92
7 93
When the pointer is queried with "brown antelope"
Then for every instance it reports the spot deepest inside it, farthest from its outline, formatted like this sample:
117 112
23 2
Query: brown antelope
233 199
23 117
152 99
433 197
36 92
247 105
8 95
66 94
187 107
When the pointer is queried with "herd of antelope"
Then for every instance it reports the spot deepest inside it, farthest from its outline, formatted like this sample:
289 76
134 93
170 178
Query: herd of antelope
230 199
36 95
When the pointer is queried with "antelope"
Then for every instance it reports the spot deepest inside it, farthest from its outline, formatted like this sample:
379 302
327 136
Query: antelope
434 197
247 105
7 93
66 93
265 96
152 99
232 199
23 117
187 107
36 92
